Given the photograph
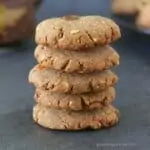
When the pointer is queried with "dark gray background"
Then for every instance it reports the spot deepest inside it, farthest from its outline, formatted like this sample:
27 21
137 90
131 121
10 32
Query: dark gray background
17 130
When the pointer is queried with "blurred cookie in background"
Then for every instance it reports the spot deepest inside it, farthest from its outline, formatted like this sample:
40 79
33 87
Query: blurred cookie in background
124 7
142 4
133 14
17 20
143 19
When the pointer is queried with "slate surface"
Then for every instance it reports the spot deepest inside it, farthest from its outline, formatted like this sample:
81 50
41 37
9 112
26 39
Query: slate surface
18 132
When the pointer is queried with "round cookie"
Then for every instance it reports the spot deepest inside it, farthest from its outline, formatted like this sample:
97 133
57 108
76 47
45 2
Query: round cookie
76 32
73 120
87 101
73 83
96 59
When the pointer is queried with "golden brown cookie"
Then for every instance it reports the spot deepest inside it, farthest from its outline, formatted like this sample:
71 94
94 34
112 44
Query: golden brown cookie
73 83
124 7
87 101
73 120
77 32
96 59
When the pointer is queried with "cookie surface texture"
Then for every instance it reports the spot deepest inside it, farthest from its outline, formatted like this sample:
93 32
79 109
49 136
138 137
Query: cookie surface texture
96 59
70 120
87 101
73 83
77 32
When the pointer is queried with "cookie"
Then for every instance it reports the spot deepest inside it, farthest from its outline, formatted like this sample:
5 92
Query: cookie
124 7
76 32
142 4
73 83
75 120
19 26
143 19
75 102
96 59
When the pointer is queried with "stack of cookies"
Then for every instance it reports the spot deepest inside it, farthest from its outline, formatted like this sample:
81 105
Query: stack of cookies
75 87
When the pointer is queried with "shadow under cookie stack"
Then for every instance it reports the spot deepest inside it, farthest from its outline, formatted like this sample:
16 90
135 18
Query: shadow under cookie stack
75 87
